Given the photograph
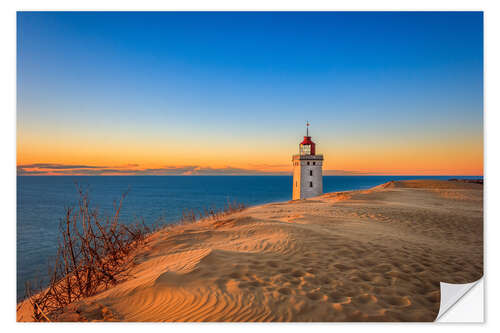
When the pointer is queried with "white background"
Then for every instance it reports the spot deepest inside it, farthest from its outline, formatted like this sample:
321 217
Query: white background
8 156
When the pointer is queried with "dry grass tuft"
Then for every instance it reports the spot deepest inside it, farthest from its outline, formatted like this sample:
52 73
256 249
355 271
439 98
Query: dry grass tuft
93 253
212 214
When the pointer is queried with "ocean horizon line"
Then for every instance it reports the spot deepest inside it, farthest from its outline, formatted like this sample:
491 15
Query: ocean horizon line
255 175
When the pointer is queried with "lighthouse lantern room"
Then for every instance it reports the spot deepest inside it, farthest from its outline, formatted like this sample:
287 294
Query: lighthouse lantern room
307 170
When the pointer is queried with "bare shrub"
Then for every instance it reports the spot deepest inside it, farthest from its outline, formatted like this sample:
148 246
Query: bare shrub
91 256
93 253
213 213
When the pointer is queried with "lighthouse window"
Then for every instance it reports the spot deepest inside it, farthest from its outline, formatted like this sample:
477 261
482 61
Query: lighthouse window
307 163
310 184
295 183
310 172
305 149
314 163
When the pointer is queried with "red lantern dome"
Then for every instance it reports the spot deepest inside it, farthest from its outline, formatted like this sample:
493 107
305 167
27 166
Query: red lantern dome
307 147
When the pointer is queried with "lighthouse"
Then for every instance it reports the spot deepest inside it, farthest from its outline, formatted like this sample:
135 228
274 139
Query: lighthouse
307 170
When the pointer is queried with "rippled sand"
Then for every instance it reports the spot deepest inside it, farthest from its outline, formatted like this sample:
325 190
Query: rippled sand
375 255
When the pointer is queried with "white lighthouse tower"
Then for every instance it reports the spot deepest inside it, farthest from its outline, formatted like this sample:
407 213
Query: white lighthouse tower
307 170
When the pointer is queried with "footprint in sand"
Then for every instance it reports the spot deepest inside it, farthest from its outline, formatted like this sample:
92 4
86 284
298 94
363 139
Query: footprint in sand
255 284
418 268
434 296
325 280
297 273
311 271
336 297
316 296
285 291
345 253
365 299
273 264
398 301
382 268
365 277
342 267
285 270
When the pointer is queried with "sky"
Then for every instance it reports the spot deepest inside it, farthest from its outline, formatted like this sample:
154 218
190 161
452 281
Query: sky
191 93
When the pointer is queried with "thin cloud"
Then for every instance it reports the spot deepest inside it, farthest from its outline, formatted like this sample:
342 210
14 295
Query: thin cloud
37 169
344 173
63 169
55 166
230 171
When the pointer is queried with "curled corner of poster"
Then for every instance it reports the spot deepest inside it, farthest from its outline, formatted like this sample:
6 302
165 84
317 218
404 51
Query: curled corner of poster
462 303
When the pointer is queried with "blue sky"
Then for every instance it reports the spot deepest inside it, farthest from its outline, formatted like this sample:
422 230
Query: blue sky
243 84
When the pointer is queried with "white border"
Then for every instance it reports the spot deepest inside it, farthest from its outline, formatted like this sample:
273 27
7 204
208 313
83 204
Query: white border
8 126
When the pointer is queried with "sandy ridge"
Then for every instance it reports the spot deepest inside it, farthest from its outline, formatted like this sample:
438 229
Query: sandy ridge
374 255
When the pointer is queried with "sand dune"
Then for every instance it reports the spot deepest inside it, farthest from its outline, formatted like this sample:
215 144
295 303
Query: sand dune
374 255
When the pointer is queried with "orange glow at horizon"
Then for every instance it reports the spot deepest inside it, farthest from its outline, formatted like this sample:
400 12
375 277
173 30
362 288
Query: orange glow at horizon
424 158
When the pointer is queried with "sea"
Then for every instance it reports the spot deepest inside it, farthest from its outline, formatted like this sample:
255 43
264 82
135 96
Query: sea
41 203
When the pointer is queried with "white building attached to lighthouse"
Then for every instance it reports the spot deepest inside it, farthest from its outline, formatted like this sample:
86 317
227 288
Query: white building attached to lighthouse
307 170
